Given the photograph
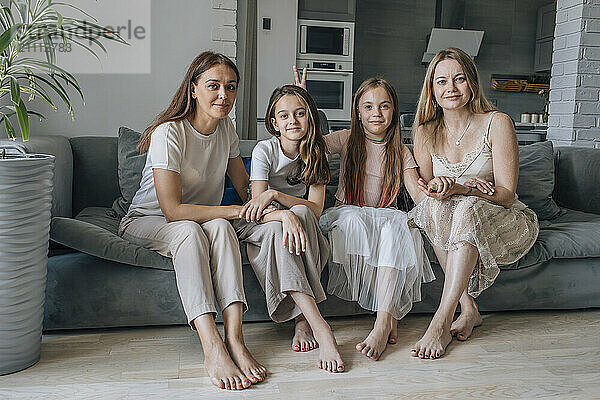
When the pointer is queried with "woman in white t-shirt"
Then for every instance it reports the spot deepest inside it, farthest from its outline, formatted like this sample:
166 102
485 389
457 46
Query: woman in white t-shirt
286 247
177 212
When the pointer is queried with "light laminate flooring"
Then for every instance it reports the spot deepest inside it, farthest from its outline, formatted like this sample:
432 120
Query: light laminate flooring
524 355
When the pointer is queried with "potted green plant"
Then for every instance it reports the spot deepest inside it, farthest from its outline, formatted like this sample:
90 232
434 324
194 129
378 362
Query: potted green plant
26 180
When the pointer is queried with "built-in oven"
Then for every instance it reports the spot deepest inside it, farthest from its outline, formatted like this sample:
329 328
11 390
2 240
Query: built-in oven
326 41
332 91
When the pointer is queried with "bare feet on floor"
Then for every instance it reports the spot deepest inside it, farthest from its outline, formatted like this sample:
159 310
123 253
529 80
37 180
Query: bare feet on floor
329 356
251 368
385 331
222 370
434 342
464 324
303 336
393 339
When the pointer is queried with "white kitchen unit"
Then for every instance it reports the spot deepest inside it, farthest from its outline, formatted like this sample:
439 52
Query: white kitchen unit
276 52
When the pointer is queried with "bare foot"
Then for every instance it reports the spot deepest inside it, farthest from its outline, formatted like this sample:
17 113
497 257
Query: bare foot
434 342
251 368
393 339
303 336
375 343
329 356
222 370
464 324
384 331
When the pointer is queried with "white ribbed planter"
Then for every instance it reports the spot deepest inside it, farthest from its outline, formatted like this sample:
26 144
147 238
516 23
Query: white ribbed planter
25 202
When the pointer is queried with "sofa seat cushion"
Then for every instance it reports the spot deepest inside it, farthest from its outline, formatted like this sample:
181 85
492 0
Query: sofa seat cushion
574 234
94 232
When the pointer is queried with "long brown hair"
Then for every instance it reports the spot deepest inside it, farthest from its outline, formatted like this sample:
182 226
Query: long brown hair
429 117
183 105
312 166
354 174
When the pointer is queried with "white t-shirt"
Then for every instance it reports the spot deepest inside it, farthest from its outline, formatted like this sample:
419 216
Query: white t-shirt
200 160
270 164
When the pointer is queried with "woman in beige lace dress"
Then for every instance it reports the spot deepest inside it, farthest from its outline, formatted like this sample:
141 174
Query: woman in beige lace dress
469 162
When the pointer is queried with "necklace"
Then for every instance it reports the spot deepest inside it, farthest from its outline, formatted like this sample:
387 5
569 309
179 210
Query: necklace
463 132
374 140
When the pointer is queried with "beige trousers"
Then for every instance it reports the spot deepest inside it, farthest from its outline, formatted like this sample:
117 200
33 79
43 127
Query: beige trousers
280 271
206 257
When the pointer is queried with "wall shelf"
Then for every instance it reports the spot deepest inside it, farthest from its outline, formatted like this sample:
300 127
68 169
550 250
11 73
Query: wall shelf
520 83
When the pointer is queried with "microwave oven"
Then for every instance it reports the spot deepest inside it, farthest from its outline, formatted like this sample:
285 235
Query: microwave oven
332 92
330 41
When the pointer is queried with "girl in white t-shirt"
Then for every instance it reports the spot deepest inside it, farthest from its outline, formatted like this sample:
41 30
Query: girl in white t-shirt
177 212
285 247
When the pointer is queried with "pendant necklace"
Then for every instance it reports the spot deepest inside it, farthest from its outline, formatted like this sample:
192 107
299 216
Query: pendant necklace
463 132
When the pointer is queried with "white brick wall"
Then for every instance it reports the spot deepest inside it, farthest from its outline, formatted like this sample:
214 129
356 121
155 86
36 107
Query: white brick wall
575 83
593 12
224 30
224 4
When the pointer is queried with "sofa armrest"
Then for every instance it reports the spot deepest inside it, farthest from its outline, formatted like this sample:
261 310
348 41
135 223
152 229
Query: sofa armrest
59 147
577 178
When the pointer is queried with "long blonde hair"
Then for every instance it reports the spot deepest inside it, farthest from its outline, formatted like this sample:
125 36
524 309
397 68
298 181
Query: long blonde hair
312 166
354 174
429 118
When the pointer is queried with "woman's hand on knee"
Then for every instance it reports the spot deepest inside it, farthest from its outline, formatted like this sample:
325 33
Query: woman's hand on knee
294 237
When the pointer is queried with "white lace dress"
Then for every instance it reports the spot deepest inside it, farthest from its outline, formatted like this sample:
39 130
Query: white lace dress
501 235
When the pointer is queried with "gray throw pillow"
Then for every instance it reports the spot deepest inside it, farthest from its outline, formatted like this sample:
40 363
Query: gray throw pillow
536 179
130 166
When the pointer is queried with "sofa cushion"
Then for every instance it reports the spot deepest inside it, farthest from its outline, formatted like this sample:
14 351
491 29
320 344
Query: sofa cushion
536 179
130 166
230 195
95 179
94 231
573 234
577 179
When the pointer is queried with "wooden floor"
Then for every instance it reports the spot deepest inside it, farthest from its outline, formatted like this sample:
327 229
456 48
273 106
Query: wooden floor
513 355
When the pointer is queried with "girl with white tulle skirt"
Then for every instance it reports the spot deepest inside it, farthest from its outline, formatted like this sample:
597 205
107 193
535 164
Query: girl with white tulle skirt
376 259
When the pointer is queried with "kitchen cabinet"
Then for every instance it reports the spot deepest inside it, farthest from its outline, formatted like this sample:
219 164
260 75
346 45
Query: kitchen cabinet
544 38
329 10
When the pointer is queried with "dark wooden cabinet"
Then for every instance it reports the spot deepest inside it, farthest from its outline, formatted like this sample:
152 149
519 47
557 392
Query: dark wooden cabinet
544 38
329 10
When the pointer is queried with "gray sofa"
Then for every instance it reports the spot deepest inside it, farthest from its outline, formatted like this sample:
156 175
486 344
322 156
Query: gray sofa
96 279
